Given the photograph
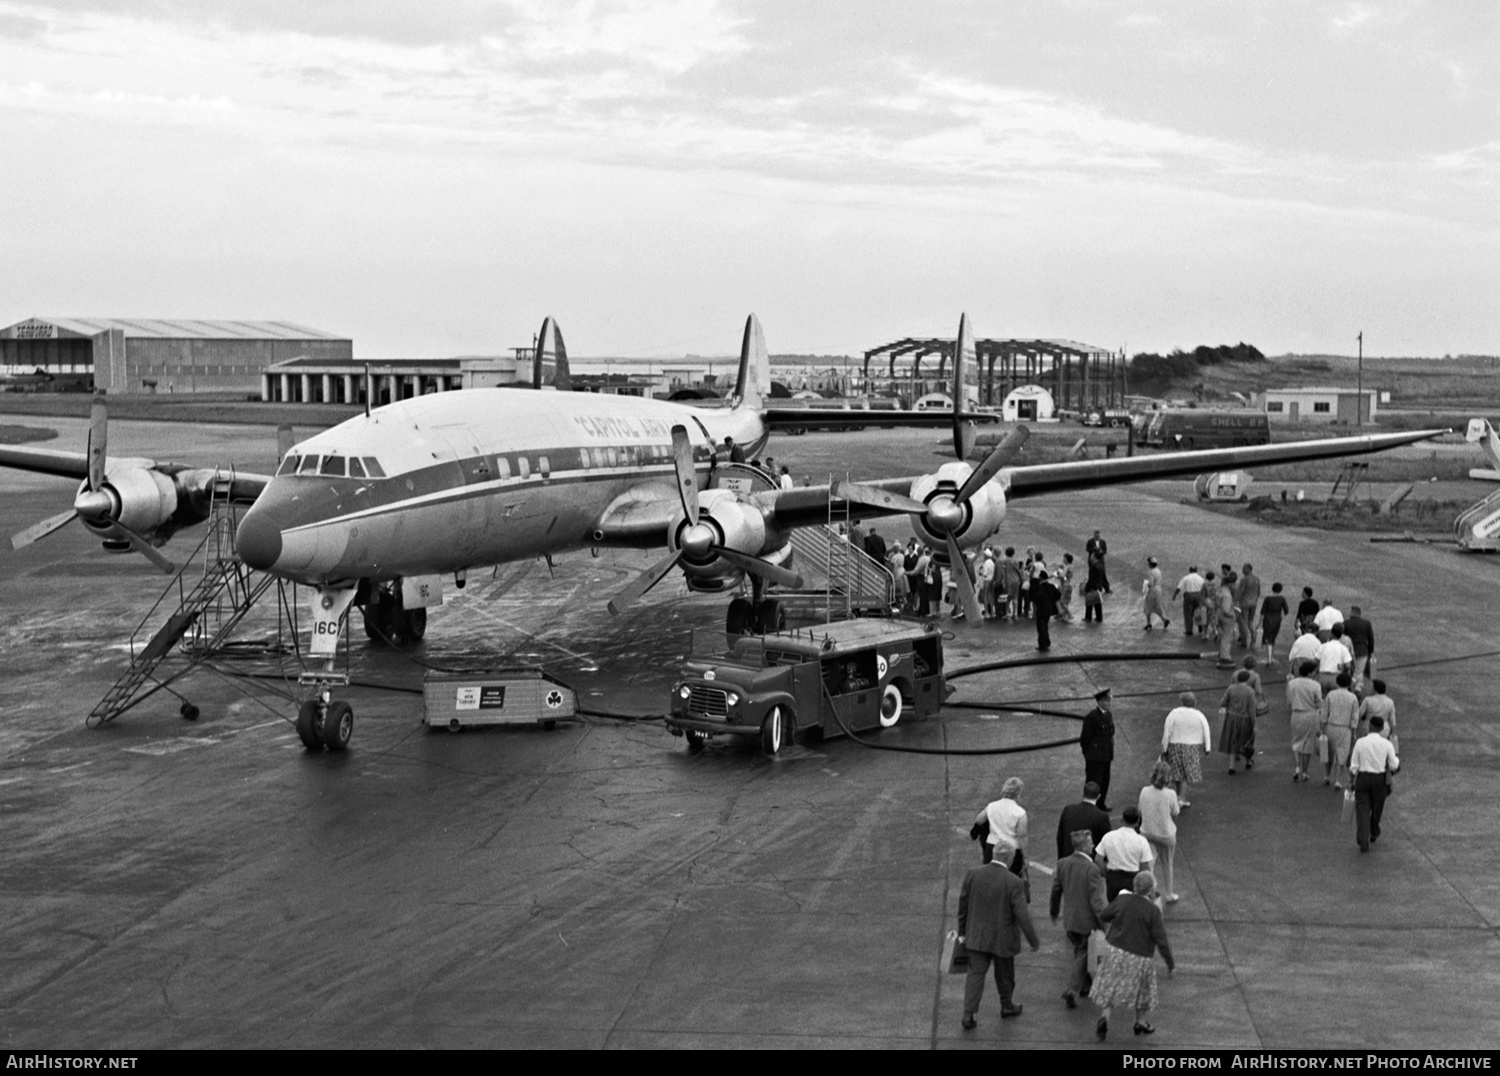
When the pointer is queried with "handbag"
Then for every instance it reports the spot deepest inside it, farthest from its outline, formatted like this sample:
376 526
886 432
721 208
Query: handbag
1096 950
1348 809
955 955
1262 707
1322 748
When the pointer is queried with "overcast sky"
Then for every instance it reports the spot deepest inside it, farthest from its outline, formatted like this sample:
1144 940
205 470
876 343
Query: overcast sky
432 178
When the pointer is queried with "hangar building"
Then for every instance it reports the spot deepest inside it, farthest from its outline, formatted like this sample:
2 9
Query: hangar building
141 355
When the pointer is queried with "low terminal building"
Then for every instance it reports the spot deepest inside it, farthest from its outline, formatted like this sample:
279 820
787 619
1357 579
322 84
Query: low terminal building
125 356
1335 406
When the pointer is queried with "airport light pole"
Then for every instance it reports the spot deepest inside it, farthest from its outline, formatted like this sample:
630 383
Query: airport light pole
1359 403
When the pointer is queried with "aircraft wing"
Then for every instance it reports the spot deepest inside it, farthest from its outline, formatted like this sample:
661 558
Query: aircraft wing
40 461
842 418
1035 479
810 505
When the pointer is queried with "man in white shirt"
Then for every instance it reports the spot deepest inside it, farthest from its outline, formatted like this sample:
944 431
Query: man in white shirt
1305 648
1190 587
1328 616
1372 758
1334 657
1123 853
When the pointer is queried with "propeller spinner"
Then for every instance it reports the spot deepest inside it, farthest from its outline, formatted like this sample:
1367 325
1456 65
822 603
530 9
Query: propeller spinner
95 504
945 513
697 540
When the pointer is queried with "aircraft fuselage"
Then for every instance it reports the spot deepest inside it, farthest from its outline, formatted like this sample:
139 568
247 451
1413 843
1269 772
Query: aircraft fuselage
461 480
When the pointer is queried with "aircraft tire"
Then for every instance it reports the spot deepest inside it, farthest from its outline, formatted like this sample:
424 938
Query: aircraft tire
890 706
771 616
415 626
307 722
771 731
338 725
695 741
740 619
378 619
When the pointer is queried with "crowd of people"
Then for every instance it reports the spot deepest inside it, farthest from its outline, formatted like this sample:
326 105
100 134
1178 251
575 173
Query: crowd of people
1113 884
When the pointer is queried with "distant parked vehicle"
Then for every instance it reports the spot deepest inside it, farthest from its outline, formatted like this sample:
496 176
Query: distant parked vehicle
1107 416
1193 428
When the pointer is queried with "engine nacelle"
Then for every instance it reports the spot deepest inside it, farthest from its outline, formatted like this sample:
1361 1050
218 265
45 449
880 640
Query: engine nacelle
733 524
971 523
141 499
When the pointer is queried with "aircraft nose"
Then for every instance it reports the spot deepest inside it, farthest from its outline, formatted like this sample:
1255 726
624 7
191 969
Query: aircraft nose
259 539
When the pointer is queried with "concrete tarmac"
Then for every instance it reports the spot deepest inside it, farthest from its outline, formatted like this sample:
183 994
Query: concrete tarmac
171 884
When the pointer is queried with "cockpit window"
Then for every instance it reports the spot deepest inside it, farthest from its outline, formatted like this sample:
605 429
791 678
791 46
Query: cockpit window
289 465
333 466
372 467
309 465
356 469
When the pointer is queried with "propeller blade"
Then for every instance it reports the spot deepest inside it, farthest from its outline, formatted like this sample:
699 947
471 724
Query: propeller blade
687 480
1004 452
145 549
962 581
642 583
963 353
875 497
772 573
98 443
38 531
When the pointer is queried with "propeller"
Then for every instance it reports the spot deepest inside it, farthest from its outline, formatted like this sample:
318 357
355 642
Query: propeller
696 540
93 504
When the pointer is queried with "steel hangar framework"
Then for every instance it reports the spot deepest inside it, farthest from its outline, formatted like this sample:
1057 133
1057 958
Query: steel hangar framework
1079 376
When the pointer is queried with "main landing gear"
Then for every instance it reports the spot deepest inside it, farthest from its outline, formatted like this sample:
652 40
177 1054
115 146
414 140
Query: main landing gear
755 615
388 620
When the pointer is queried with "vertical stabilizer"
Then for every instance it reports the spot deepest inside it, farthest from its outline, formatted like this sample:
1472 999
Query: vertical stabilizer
963 358
754 383
549 343
1482 433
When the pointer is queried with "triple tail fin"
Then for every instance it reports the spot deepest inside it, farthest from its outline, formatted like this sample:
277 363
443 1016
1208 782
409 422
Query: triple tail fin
550 342
963 357
753 387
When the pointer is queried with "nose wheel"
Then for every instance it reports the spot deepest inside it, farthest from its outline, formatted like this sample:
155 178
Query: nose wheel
324 722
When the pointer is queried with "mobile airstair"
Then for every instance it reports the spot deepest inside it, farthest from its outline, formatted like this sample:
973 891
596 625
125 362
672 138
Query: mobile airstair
208 597
839 580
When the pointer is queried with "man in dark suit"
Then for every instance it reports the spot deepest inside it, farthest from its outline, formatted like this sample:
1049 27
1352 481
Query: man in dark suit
875 545
1097 739
1359 633
1044 597
1078 892
992 916
1086 814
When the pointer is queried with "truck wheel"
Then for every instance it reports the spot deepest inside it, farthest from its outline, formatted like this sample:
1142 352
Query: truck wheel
890 706
770 731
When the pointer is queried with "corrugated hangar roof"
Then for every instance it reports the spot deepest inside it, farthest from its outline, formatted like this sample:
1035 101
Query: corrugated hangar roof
187 328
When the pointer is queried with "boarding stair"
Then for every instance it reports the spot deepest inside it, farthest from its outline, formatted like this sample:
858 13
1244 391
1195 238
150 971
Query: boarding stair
1478 526
839 580
212 591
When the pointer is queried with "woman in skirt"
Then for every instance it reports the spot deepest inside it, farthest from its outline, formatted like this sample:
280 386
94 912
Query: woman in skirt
1237 740
1127 970
1185 739
1304 697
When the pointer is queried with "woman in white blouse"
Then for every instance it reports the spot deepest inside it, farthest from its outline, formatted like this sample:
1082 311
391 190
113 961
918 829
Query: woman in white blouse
1185 739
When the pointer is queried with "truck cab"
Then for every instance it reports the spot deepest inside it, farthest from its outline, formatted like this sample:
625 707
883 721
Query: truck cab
807 684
